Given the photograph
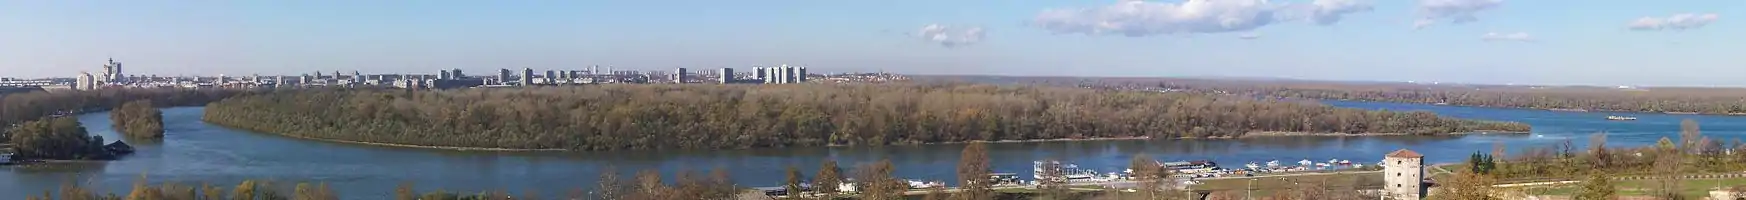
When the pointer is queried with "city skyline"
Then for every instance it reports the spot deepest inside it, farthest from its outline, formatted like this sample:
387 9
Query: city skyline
1467 41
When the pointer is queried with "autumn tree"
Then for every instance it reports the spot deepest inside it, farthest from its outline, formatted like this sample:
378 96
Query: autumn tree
877 183
828 178
792 183
973 169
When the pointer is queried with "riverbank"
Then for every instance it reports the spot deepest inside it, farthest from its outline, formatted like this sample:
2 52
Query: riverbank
1578 110
1245 136
456 148
1288 134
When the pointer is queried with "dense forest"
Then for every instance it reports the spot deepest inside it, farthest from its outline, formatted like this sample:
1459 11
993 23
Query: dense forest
1630 99
138 119
62 138
611 117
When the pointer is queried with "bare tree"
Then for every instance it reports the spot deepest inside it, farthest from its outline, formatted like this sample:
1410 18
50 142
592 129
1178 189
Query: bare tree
973 170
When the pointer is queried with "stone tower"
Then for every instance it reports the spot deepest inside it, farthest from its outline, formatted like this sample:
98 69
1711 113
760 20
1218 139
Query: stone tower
1403 174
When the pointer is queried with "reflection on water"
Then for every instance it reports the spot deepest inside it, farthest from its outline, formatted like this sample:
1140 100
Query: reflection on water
195 152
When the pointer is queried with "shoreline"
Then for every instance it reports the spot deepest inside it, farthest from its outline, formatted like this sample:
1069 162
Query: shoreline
1578 110
1290 134
1258 134
456 148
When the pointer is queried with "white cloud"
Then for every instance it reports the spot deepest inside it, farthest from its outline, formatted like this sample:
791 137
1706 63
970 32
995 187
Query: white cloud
1517 36
951 36
1675 22
1249 36
1454 11
1136 18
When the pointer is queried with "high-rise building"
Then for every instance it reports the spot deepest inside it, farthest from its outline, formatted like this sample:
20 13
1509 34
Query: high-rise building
759 73
357 77
679 76
503 76
443 76
551 76
111 73
800 75
527 75
727 75
85 82
305 79
456 73
789 74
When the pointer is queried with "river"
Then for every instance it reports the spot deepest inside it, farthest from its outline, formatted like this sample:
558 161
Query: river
194 152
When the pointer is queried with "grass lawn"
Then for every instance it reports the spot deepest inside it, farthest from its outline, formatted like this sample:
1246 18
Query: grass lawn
1690 188
1264 186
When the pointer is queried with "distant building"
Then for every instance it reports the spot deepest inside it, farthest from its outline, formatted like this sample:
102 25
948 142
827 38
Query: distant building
1403 175
679 76
503 76
726 76
444 75
112 73
760 73
551 77
85 82
456 74
527 75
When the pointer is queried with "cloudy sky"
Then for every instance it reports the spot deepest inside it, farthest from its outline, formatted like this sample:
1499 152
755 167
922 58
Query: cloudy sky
1601 42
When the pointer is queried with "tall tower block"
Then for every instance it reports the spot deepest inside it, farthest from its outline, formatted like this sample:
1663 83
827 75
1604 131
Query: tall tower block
1403 175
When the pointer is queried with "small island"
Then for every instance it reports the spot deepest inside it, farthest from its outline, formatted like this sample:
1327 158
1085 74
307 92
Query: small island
619 117
60 139
139 120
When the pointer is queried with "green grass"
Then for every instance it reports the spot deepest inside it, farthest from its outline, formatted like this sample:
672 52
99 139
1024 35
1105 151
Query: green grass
1690 188
1264 186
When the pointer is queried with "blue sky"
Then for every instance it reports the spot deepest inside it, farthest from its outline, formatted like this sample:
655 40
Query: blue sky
1532 42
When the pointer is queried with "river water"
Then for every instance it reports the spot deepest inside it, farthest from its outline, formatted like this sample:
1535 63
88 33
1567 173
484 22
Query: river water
194 152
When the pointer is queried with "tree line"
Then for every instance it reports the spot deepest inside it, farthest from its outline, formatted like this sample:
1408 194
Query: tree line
610 117
1720 101
138 119
1730 101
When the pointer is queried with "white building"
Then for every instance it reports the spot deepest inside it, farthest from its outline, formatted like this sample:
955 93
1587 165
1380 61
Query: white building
85 82
1403 175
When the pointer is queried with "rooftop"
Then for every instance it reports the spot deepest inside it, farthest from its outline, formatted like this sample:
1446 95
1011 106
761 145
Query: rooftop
1404 153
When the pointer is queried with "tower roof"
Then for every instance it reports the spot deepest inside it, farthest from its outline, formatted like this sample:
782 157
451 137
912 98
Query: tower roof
1404 153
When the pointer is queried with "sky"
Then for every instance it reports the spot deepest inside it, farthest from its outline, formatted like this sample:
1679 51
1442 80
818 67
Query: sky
1562 42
